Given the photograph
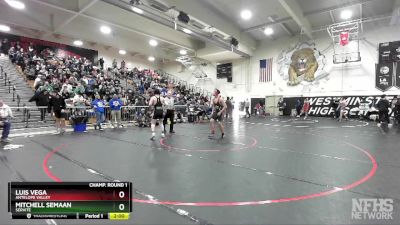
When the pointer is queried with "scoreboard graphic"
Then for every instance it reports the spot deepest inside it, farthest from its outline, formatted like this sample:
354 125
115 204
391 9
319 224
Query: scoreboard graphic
70 200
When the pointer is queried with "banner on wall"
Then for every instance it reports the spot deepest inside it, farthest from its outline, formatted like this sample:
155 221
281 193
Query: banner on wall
384 52
324 106
395 51
60 50
389 52
384 76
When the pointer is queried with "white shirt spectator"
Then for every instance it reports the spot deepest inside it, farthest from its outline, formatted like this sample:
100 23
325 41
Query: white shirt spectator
37 80
36 58
85 79
67 87
342 104
78 100
169 102
5 112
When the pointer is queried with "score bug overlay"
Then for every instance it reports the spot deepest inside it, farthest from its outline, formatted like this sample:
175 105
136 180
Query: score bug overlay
70 200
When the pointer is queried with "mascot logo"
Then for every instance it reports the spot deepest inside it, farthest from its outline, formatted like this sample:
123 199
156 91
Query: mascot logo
384 70
302 62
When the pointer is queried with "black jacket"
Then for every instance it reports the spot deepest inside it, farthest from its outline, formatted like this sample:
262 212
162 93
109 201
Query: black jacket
396 109
56 103
383 105
41 99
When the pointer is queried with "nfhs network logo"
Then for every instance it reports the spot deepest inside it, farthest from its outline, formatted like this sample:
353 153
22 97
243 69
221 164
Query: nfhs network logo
372 209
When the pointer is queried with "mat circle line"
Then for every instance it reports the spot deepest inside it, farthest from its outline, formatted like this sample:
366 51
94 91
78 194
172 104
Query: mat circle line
251 145
370 174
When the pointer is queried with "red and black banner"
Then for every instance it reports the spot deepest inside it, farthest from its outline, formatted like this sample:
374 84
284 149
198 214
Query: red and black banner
59 50
384 76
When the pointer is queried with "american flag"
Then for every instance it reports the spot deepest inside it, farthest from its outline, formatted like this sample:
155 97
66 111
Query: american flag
265 70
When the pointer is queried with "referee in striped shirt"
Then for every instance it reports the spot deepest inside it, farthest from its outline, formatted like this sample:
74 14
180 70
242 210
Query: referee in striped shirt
170 106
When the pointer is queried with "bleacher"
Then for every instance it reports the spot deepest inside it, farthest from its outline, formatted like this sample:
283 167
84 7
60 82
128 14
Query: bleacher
15 92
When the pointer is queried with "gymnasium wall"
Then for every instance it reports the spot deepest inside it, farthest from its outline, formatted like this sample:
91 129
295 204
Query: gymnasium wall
349 79
237 88
352 79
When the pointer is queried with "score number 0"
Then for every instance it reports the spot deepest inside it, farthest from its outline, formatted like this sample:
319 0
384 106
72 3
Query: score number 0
121 206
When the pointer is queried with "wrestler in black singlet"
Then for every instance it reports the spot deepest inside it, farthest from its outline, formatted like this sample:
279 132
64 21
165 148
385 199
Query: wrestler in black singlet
217 108
158 109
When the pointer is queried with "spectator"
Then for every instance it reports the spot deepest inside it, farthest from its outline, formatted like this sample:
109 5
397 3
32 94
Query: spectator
281 106
42 101
393 105
247 107
342 109
335 105
79 82
298 106
57 104
37 82
99 108
383 106
257 109
101 61
396 110
46 87
5 46
229 109
5 116
80 89
80 104
115 106
306 108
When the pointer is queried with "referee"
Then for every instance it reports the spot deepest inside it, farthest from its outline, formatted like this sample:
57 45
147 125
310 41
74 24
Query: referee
169 116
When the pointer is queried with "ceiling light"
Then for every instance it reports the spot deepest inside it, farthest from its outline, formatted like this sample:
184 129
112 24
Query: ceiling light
183 52
137 10
246 14
153 42
122 52
346 14
105 29
4 28
268 31
15 4
151 58
187 31
78 43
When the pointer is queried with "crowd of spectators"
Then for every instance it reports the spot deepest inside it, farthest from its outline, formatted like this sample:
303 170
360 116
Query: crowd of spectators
78 80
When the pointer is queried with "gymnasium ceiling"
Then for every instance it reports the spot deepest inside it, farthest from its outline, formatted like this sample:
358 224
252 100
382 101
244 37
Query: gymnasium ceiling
81 19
